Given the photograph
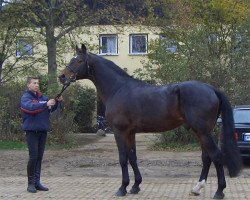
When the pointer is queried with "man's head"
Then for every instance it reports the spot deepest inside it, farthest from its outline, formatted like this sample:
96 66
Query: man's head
33 84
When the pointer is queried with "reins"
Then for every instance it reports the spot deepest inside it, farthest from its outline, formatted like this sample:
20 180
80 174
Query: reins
59 94
62 90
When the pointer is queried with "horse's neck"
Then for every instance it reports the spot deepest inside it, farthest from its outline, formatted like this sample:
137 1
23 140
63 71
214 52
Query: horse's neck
106 80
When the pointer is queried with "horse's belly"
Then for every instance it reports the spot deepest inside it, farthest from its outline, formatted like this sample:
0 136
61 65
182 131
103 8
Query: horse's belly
159 125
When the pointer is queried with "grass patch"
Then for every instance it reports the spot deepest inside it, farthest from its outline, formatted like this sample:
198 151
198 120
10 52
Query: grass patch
18 145
12 145
176 147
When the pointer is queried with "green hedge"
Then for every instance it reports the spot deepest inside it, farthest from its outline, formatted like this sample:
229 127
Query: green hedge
77 115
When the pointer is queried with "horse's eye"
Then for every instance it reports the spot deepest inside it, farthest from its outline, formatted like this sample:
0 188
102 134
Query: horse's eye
80 60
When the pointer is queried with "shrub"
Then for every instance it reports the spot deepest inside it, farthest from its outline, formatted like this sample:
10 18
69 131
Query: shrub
77 115
82 101
10 116
182 138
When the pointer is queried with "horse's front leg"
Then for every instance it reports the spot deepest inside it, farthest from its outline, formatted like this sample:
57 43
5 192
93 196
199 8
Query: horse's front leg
123 159
133 162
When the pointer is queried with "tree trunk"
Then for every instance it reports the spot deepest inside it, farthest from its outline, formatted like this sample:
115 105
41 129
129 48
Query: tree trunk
51 49
1 69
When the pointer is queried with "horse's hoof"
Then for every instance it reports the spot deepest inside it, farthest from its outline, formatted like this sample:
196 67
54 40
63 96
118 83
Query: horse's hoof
219 195
121 193
134 190
195 193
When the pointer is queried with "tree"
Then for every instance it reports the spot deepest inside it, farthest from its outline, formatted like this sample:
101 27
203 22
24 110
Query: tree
212 39
54 19
10 27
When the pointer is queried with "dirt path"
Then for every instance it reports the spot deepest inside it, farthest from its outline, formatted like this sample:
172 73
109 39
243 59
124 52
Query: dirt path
99 158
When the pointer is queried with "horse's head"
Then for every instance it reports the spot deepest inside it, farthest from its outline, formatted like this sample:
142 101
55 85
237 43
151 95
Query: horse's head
77 67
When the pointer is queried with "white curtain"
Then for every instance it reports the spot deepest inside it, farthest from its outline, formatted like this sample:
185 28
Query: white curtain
111 44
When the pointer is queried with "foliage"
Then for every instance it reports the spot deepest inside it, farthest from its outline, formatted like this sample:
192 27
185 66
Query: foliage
82 102
213 47
10 123
182 138
51 23
178 139
212 40
11 25
76 112
79 107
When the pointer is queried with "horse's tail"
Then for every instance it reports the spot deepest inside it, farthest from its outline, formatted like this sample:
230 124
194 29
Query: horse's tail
230 151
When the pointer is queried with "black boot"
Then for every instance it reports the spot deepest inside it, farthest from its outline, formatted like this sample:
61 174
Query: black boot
31 184
38 184
40 187
31 188
31 178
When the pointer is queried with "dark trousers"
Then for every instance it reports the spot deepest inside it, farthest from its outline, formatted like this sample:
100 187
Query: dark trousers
36 141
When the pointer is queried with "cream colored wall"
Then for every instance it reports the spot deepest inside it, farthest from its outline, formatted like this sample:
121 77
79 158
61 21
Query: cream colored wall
123 59
90 36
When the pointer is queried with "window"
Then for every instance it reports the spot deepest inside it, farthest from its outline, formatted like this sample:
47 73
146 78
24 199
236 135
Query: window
171 45
108 44
241 116
24 47
138 43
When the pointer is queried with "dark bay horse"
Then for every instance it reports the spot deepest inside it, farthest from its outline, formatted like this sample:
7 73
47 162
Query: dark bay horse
133 106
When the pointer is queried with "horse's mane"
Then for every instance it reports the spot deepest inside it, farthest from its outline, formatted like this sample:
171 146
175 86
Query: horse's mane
110 64
113 66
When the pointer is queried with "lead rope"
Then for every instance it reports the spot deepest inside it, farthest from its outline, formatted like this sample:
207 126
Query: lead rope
59 94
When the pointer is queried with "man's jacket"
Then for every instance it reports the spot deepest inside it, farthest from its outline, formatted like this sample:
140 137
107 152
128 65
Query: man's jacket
35 113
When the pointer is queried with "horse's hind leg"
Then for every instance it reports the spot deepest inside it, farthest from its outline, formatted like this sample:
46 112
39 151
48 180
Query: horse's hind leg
206 163
215 155
123 159
133 162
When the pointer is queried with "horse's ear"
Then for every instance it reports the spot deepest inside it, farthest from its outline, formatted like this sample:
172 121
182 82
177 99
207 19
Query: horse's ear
84 49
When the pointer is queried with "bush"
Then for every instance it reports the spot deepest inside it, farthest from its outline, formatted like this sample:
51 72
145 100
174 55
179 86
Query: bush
182 134
183 138
180 138
10 123
77 115
82 101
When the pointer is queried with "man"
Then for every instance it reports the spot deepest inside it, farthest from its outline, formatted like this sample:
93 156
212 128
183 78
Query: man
36 109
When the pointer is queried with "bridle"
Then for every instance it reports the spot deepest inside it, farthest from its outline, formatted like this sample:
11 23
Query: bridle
75 72
73 78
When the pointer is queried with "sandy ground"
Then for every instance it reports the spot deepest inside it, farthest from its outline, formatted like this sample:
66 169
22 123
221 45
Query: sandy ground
98 157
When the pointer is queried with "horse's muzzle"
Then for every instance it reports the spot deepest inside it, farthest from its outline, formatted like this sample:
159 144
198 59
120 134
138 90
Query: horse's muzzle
63 79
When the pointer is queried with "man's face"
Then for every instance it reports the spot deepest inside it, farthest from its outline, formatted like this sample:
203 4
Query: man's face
33 85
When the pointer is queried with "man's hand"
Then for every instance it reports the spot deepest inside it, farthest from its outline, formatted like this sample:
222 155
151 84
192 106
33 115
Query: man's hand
51 102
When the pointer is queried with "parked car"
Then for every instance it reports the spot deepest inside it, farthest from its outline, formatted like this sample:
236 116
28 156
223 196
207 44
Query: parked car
241 116
242 129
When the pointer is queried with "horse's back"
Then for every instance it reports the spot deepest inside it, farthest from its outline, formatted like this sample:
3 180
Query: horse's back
145 107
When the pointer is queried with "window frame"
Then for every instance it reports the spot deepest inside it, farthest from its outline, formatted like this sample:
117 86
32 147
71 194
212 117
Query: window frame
26 41
131 44
100 44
